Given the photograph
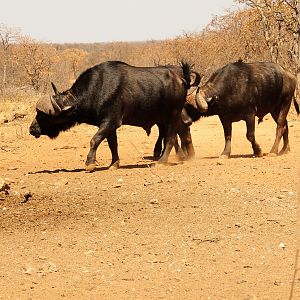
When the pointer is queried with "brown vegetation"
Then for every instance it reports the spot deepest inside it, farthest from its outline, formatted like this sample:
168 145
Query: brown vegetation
263 30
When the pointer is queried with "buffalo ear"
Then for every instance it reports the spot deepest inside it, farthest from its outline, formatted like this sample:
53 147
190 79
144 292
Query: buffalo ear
56 92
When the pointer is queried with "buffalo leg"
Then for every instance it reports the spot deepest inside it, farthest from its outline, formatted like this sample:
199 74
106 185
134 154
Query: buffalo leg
227 127
281 131
158 145
286 145
103 132
158 150
113 146
170 140
179 151
186 141
170 137
250 123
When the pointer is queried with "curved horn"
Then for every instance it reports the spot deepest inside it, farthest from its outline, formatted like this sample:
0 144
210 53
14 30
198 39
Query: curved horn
57 109
201 102
56 92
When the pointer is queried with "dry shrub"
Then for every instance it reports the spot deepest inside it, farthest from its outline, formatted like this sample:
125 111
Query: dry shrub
17 104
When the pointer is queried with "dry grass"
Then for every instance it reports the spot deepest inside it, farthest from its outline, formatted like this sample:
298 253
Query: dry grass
17 104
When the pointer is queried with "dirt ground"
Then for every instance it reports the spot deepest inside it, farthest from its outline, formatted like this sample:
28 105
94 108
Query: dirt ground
204 229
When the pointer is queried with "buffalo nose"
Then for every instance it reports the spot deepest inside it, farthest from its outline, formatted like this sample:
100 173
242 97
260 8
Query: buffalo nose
34 131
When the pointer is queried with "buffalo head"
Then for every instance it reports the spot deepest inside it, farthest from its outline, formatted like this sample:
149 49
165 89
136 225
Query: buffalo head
199 100
53 114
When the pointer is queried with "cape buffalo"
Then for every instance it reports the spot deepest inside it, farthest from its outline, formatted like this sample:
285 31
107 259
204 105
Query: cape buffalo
186 150
241 91
114 93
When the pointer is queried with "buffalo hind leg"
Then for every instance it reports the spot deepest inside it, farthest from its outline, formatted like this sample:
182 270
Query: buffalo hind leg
170 141
227 127
113 146
170 137
158 149
250 123
179 150
281 131
286 145
186 141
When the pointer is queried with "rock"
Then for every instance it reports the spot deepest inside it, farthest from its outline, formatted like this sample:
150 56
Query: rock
154 201
4 186
90 252
27 196
282 246
29 271
52 267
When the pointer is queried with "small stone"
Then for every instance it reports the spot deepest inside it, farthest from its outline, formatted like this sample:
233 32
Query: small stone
29 271
52 267
42 257
4 185
8 180
89 252
116 186
277 282
27 195
282 246
154 201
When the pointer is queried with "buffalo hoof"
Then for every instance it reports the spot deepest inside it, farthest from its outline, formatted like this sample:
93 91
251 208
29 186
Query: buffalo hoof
272 154
181 156
260 154
114 166
156 156
91 167
284 151
160 163
224 156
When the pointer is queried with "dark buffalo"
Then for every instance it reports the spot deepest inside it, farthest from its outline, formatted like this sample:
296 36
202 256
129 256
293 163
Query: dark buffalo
186 150
241 91
112 94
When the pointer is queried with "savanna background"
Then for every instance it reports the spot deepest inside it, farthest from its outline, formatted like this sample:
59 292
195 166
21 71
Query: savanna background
206 229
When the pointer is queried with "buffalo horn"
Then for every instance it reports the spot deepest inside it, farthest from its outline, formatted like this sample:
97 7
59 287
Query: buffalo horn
201 102
57 109
56 92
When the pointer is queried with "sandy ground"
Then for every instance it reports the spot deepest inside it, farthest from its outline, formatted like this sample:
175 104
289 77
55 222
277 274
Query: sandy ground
204 229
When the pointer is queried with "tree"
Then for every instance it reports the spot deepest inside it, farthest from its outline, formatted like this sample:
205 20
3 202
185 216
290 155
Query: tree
36 59
7 37
76 59
281 23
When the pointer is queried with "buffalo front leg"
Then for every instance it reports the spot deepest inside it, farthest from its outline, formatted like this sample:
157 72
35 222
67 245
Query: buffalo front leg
101 134
227 127
250 123
113 146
